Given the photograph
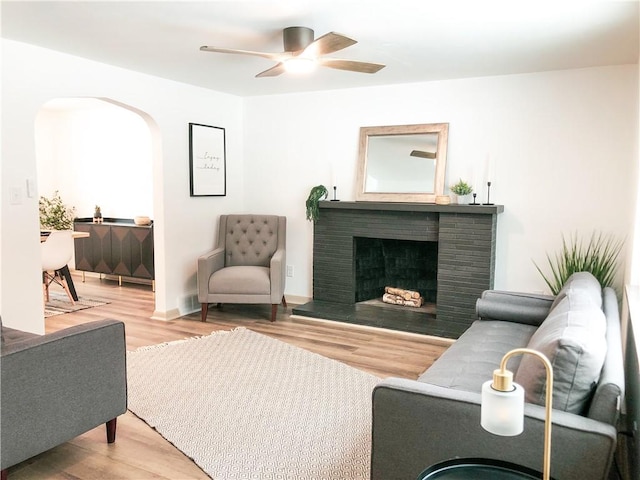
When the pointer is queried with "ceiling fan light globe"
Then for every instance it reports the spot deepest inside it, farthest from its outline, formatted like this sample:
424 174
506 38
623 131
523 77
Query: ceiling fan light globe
300 65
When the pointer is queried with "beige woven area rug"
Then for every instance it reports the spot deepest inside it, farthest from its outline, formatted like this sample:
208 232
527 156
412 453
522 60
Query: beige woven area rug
245 406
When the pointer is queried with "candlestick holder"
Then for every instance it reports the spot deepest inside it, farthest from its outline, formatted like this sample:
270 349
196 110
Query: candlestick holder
488 194
335 194
474 200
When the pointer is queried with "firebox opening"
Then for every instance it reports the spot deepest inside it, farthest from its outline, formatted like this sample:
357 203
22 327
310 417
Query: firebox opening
405 264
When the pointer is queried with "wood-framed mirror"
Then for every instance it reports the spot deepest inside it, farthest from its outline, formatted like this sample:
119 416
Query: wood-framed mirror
402 163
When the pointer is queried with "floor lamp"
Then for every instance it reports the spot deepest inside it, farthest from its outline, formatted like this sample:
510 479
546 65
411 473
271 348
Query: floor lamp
502 410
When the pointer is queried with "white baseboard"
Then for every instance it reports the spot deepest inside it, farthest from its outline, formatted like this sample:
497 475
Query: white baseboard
166 316
296 299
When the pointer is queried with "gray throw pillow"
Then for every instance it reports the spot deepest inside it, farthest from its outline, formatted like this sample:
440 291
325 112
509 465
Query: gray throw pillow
573 338
584 281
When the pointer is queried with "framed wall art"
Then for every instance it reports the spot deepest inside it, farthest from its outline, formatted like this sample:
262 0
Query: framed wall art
207 161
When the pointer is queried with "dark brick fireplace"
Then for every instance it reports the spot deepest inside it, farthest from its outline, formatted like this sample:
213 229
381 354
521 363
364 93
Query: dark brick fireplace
453 247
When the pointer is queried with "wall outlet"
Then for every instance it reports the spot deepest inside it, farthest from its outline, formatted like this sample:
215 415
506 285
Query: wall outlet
289 270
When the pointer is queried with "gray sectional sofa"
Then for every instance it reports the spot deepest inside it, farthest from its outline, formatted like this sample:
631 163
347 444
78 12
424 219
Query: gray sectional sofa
58 386
418 423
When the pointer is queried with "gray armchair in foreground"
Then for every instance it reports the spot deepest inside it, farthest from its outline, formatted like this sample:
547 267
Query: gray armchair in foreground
58 386
247 264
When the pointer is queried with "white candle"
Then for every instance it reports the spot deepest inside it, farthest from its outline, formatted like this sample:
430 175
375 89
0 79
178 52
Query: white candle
476 178
490 169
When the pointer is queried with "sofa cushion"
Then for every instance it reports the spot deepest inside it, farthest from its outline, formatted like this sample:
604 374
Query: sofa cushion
583 281
573 338
471 360
242 280
11 336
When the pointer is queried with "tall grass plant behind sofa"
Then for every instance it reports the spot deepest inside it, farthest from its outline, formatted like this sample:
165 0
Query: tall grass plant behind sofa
419 423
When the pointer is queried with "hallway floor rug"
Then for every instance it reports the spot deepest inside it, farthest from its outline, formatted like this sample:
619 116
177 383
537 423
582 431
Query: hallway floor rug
245 405
59 303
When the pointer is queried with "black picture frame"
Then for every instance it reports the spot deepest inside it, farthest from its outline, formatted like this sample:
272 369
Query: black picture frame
207 161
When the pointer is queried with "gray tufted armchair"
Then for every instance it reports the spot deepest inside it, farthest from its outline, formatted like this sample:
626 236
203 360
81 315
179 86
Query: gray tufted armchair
247 265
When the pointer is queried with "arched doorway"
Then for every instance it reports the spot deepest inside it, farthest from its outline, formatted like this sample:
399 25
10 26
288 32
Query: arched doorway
97 151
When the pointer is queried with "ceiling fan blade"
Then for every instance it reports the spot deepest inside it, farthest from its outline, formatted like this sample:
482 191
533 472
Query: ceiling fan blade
422 154
351 65
328 43
273 71
271 56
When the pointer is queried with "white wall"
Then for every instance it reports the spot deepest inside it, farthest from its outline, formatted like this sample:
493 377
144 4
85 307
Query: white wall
84 150
184 226
562 143
633 273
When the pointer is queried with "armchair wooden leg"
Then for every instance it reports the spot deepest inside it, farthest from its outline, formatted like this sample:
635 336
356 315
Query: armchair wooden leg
111 430
274 308
205 309
4 474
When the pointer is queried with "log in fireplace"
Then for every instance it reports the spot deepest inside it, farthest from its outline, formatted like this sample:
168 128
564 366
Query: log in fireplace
452 247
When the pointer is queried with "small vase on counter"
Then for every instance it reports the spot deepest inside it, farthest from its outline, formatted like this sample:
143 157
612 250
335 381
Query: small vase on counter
97 215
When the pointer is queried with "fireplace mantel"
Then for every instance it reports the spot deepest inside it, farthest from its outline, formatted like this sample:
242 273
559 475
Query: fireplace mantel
466 237
414 207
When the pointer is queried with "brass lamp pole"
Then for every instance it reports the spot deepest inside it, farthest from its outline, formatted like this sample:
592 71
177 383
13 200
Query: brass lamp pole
502 409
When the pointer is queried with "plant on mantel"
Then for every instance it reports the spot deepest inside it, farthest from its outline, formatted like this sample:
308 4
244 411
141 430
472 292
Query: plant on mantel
316 194
599 257
461 188
54 214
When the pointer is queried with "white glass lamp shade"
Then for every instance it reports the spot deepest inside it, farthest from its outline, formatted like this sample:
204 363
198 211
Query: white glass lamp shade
502 413
300 65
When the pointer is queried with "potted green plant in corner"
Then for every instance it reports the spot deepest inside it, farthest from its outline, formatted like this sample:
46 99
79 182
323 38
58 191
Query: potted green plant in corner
460 190
316 194
599 257
54 214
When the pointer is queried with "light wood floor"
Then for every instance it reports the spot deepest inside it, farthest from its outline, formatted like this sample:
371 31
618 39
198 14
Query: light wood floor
139 452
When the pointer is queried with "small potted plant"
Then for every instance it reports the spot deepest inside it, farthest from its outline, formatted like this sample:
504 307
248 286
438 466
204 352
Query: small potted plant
97 215
316 194
460 190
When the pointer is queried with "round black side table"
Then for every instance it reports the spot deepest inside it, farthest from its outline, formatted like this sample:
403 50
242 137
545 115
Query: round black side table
478 469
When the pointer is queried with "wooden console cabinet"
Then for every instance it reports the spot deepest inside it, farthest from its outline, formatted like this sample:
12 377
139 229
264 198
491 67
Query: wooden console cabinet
115 247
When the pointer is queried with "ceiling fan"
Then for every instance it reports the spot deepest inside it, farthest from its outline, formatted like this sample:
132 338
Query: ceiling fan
422 154
302 53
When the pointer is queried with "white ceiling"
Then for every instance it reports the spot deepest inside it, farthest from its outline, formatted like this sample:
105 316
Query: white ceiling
418 40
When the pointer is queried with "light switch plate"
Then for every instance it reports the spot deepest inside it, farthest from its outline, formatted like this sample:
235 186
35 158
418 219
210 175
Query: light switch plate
31 188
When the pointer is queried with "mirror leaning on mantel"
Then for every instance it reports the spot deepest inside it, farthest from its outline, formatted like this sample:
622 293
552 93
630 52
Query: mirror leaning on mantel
402 163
